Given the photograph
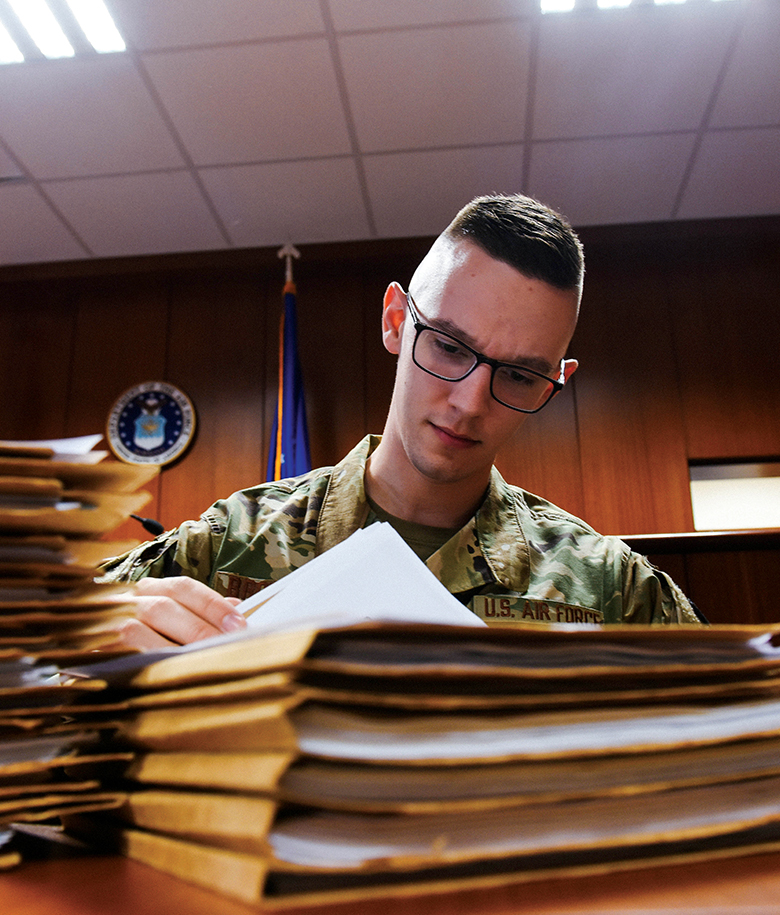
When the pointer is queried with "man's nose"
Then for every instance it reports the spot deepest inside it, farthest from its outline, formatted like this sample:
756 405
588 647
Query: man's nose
472 394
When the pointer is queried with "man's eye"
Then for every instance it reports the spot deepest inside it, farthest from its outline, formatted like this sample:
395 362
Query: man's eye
519 378
450 348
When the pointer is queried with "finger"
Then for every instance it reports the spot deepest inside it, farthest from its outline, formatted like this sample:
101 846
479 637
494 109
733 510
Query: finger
134 634
217 613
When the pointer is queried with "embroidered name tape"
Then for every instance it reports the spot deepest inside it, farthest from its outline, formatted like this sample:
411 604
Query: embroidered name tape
511 608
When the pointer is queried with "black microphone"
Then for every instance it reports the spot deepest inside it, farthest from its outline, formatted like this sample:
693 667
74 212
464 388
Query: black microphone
154 527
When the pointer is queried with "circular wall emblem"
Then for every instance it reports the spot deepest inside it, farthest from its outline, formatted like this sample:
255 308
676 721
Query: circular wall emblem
152 423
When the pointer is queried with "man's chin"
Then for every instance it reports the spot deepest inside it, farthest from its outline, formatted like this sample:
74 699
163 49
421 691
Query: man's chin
449 467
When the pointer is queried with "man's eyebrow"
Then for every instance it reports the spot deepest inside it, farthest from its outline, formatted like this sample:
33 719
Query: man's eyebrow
537 363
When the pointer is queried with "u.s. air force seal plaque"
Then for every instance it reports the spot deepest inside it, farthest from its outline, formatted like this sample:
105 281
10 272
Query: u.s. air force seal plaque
152 423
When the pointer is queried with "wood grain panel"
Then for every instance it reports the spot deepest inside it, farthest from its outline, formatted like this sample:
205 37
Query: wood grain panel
121 332
379 366
544 457
664 304
37 326
735 587
726 312
632 442
332 342
217 354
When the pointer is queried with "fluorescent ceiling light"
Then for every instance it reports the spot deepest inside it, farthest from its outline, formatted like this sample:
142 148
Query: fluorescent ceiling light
97 25
9 53
44 29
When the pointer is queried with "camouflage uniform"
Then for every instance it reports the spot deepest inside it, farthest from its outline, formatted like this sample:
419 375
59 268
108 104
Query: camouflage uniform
519 558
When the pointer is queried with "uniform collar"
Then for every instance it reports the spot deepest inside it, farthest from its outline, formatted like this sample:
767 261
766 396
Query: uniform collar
490 549
344 506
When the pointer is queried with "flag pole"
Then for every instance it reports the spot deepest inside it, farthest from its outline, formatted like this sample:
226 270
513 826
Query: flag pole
288 252
289 446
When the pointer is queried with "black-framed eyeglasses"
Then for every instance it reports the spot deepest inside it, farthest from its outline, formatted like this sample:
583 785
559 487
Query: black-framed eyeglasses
444 356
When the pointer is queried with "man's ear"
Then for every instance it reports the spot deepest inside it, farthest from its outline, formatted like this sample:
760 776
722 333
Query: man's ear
393 315
569 368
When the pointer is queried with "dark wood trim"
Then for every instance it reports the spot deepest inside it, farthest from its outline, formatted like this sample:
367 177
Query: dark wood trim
678 235
337 254
705 541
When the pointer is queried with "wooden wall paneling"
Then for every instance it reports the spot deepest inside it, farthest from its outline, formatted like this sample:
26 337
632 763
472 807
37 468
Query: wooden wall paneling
735 587
380 365
331 343
632 440
726 307
544 457
346 285
37 327
217 354
80 334
121 336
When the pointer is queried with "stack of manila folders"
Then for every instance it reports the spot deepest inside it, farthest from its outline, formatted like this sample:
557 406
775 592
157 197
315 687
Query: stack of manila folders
59 500
368 735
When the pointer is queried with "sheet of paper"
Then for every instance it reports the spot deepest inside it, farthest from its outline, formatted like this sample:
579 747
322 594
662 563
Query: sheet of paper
78 448
371 576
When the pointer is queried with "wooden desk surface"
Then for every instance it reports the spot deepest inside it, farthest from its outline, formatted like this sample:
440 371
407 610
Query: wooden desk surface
97 885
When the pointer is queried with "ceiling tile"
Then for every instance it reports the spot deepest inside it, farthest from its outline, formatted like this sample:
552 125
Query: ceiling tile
93 116
433 96
750 94
442 181
730 175
597 182
250 103
138 214
8 168
434 87
149 24
636 70
30 231
359 15
297 202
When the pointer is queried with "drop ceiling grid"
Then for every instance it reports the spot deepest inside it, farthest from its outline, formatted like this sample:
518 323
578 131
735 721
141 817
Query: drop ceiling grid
327 120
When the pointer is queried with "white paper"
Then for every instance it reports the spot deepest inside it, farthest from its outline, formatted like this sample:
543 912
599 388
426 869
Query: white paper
371 576
77 449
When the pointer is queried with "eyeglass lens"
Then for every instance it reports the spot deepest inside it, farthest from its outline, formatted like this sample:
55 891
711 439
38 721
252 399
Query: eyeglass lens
513 386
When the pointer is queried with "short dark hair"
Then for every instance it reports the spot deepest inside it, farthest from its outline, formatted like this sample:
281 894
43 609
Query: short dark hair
526 234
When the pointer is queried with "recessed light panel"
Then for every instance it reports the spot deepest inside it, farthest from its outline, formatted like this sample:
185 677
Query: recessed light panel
43 28
55 38
97 25
9 52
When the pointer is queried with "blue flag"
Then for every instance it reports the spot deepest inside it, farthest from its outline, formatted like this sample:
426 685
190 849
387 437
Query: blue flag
288 454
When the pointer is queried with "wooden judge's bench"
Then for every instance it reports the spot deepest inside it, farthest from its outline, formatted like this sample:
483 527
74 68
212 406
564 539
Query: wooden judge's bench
92 884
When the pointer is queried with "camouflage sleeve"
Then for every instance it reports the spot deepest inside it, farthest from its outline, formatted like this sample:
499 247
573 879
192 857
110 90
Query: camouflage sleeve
650 595
186 550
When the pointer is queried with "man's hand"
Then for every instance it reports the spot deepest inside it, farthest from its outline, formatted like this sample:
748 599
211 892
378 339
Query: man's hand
176 611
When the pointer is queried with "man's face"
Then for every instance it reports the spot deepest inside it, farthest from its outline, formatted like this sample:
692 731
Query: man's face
452 431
